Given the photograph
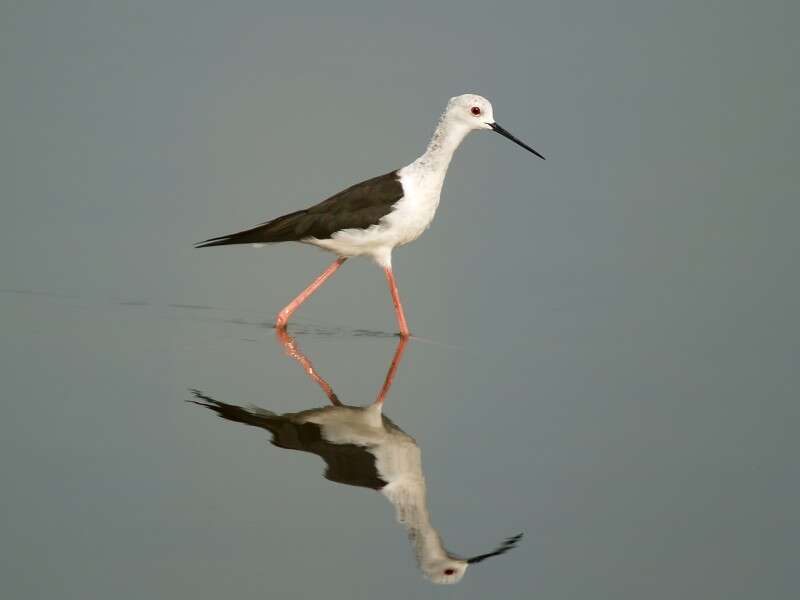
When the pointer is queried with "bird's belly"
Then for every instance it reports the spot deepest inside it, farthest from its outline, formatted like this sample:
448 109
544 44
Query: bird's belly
406 224
412 215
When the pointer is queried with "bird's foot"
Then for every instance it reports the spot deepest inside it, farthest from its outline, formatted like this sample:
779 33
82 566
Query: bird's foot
281 321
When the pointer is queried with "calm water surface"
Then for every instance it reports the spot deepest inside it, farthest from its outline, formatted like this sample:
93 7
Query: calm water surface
115 485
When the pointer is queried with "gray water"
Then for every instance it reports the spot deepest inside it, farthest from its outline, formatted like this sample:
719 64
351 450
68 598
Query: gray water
606 342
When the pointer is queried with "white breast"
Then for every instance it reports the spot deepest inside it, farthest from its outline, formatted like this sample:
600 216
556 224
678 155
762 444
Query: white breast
414 213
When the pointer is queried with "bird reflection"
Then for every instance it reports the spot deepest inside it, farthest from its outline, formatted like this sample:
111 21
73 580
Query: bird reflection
362 447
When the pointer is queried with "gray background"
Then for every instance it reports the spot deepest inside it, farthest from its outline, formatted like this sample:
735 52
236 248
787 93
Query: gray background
610 347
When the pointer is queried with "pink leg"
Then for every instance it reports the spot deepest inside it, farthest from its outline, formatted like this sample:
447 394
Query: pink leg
283 316
398 354
291 349
398 307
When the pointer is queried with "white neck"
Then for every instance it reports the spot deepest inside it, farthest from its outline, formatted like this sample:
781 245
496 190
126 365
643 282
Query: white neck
409 500
448 136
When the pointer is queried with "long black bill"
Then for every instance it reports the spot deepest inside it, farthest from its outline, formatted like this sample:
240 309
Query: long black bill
509 544
519 142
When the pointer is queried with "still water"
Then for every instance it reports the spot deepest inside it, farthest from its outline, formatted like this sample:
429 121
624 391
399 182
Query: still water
120 480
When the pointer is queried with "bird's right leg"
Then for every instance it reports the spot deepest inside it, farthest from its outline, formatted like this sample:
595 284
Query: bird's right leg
283 317
398 306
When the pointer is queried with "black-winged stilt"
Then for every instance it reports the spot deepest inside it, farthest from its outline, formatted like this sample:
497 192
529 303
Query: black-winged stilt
373 217
364 448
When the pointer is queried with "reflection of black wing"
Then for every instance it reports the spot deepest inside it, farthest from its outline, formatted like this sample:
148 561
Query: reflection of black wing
347 463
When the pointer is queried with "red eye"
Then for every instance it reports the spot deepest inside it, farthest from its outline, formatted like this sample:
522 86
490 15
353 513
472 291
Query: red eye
475 110
451 571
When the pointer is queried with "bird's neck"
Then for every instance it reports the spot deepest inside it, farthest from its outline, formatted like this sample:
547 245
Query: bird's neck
448 136
409 500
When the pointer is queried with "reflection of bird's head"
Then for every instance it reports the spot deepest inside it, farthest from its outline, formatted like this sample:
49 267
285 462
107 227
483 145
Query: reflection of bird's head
451 569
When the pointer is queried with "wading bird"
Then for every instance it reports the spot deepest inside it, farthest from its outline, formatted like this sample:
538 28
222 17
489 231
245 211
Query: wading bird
375 216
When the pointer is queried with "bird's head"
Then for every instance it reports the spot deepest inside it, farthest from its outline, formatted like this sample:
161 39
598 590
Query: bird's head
475 112
471 110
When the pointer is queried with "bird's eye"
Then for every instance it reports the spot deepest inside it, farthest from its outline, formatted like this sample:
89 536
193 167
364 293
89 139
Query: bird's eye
451 571
475 110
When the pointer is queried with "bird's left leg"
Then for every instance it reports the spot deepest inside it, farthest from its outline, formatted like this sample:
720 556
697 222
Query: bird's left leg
398 307
283 317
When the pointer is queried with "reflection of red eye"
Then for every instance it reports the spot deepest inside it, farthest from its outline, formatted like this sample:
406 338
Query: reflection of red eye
475 110
451 571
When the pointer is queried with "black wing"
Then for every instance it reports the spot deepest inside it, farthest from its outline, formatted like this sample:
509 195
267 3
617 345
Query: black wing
359 206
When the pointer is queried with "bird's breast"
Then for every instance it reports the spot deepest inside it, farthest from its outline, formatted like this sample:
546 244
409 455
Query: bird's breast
414 213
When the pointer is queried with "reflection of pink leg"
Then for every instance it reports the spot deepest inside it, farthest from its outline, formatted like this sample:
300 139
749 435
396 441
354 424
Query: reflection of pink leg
398 308
398 354
291 349
283 316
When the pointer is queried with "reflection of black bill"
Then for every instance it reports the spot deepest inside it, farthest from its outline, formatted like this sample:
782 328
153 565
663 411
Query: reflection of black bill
501 549
517 141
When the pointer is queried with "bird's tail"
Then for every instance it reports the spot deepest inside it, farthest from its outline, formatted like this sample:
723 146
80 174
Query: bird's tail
288 228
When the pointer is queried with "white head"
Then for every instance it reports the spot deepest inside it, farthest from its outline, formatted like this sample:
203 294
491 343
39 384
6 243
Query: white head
471 110
475 112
